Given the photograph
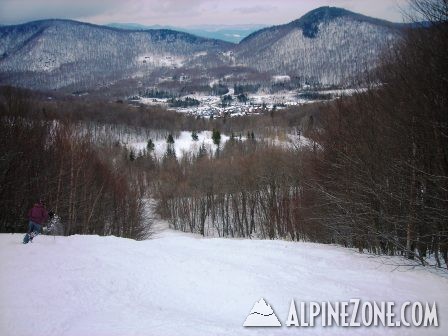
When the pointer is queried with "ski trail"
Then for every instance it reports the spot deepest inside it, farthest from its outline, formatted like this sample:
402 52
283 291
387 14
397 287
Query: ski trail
160 228
182 283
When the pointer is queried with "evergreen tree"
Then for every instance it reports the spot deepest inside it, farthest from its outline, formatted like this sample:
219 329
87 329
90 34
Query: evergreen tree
131 155
216 136
150 146
219 89
226 100
242 98
194 136
170 151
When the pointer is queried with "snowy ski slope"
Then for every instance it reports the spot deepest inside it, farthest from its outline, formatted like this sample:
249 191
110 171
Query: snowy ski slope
179 284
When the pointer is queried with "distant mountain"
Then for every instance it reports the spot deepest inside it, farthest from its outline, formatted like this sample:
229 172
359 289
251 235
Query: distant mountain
137 26
228 33
327 45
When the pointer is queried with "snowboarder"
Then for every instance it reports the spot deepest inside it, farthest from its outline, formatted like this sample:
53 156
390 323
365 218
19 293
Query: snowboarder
37 216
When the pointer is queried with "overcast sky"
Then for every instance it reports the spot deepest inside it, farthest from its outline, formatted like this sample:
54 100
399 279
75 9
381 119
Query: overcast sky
187 12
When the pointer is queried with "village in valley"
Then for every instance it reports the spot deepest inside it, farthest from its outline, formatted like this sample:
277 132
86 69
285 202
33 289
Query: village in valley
234 101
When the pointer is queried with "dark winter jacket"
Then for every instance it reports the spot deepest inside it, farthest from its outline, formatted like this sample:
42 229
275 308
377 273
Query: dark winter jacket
38 214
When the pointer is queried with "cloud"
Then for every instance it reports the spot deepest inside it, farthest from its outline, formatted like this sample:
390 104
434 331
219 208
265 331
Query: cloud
254 9
14 11
186 12
176 6
386 9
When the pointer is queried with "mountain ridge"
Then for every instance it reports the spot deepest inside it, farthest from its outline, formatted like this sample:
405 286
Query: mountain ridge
327 13
328 45
46 22
318 14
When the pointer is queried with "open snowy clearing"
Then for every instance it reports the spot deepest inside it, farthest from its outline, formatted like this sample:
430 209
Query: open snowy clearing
178 284
182 144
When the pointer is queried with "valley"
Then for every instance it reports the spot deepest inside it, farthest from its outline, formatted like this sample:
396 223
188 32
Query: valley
326 47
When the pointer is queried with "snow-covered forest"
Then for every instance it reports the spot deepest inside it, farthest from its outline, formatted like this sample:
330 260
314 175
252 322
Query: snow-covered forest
63 52
327 46
352 46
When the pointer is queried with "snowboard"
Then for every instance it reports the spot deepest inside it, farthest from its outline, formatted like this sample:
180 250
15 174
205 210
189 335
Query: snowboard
29 236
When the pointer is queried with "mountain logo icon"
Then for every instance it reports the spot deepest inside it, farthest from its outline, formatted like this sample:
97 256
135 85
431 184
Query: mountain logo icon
262 315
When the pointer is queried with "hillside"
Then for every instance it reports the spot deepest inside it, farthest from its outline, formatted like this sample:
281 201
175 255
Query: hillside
326 46
59 53
184 284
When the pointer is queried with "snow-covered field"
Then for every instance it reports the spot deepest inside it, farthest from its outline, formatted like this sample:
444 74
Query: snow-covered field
179 284
183 143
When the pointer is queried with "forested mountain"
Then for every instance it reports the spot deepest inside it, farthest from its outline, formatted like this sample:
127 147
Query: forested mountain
326 46
59 53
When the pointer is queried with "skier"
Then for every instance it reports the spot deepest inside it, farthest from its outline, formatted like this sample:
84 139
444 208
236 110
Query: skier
37 216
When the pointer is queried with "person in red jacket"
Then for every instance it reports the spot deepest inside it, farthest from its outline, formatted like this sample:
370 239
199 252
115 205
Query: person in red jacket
37 216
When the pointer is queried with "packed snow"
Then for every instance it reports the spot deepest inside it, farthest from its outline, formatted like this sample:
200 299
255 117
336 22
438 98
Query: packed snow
180 284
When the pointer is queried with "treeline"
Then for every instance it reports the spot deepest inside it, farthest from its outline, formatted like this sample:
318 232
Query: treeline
245 88
187 102
381 179
154 93
93 109
48 159
100 111
246 189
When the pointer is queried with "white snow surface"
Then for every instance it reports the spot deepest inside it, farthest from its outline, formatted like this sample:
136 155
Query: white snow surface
183 144
180 284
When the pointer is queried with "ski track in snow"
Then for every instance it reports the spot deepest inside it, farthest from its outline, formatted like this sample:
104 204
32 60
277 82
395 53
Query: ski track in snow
181 284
